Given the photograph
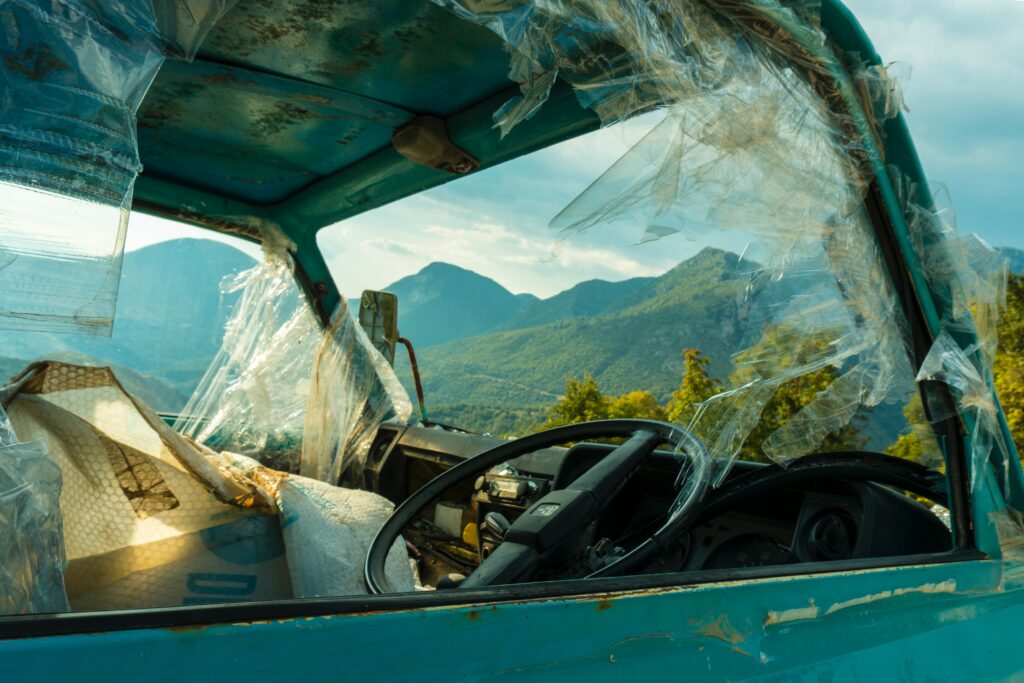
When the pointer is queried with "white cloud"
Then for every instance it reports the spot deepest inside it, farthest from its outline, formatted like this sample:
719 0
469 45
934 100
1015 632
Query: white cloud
389 245
966 97
968 71
520 253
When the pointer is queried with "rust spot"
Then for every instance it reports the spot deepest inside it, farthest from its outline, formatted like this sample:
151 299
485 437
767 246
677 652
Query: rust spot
36 62
407 36
312 99
603 605
370 47
220 79
281 116
188 628
254 24
721 629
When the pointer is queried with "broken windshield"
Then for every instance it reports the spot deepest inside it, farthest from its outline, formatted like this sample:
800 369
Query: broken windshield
518 326
707 258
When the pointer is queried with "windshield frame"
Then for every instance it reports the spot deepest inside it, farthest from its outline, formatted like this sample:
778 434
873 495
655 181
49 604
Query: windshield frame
561 119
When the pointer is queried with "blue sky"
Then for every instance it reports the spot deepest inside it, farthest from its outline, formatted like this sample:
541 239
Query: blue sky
966 113
966 101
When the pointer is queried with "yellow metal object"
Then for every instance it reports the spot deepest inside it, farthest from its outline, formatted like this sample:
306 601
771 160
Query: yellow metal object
471 535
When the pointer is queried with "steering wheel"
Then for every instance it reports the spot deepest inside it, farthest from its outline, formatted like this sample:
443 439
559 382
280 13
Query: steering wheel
879 468
551 530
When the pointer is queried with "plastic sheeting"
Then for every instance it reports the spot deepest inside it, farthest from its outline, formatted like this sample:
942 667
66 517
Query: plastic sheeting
745 145
74 74
761 140
32 557
152 519
286 391
968 282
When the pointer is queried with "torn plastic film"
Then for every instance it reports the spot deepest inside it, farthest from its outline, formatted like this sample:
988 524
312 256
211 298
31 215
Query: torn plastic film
283 384
752 141
32 559
74 76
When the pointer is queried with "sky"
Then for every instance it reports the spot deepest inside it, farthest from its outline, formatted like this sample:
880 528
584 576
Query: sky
966 114
966 100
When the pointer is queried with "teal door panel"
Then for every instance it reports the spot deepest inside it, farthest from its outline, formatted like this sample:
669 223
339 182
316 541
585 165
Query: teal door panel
938 622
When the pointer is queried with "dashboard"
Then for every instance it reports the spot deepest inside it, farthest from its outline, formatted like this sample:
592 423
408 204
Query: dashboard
815 522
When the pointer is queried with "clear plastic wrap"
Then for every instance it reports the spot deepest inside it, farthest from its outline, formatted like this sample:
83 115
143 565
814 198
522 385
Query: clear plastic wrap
754 143
967 282
353 390
73 78
286 391
252 398
32 556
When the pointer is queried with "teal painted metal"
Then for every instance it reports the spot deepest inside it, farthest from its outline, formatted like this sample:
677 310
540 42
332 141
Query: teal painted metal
295 92
945 622
413 55
387 176
255 136
898 151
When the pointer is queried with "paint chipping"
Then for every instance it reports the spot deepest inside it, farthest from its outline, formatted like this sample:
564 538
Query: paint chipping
957 614
721 629
795 614
813 612
948 586
312 99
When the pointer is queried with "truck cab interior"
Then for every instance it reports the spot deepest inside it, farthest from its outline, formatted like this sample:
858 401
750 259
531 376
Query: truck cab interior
665 176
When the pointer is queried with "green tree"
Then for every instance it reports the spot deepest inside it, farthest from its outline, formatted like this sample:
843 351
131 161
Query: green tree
1009 362
783 349
696 387
582 402
1008 371
636 404
911 446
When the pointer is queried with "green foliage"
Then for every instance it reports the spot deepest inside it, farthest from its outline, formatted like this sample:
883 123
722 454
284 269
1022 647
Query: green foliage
582 402
908 446
696 387
1009 362
640 405
912 446
583 399
780 349
1008 371
503 421
627 336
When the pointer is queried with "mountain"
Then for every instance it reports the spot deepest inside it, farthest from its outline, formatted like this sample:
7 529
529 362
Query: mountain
585 299
637 343
169 323
444 302
483 350
1015 257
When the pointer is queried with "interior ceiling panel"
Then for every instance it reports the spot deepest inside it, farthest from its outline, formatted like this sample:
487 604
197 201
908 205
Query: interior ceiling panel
284 94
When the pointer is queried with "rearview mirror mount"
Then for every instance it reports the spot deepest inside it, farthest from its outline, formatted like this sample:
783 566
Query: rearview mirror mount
378 316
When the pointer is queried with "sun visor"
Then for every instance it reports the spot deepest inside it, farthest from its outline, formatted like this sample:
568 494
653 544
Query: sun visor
73 76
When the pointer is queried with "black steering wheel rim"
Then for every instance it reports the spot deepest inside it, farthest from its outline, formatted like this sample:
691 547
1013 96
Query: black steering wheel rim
870 466
374 574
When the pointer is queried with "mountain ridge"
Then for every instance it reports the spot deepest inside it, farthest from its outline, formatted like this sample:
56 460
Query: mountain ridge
479 344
